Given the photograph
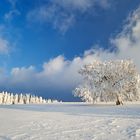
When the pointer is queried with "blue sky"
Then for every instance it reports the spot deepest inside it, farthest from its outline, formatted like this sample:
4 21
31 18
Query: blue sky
43 43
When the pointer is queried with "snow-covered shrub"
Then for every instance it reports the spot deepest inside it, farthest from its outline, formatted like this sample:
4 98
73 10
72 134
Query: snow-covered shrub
109 81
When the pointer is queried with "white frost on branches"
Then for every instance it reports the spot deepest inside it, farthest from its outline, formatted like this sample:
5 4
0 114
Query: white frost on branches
10 98
109 81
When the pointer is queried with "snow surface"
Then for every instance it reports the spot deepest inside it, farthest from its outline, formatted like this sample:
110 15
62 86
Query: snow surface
70 121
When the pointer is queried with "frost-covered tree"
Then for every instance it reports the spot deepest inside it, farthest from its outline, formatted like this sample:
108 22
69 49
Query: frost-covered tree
49 101
15 101
32 99
109 81
27 99
1 98
10 98
40 99
44 101
5 98
20 99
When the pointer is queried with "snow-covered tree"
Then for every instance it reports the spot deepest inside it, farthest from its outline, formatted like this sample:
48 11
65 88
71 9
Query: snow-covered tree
20 99
43 101
1 98
10 98
109 81
36 99
49 101
27 99
32 99
40 99
5 98
15 99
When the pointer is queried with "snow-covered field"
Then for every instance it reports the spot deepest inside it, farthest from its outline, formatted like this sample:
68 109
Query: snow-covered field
70 121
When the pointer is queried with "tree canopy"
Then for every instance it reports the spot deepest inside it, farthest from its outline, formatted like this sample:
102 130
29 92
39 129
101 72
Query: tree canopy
109 81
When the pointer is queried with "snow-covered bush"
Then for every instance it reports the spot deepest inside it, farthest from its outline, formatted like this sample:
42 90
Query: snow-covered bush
10 98
109 81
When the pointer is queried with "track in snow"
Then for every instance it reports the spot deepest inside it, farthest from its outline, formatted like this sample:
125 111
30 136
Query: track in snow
67 121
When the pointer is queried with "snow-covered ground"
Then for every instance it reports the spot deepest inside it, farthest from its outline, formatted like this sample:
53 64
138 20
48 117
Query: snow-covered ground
70 121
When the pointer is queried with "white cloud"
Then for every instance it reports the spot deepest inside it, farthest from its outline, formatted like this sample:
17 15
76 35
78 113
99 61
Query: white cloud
128 41
60 73
54 66
12 12
62 14
82 5
4 46
52 15
22 74
13 3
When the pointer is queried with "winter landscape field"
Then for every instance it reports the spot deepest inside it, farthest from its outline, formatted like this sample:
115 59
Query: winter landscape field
70 121
69 69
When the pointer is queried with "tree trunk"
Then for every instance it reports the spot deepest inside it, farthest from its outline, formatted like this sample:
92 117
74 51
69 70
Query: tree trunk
119 102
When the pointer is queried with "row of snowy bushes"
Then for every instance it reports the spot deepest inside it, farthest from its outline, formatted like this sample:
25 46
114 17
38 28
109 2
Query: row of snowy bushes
10 98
